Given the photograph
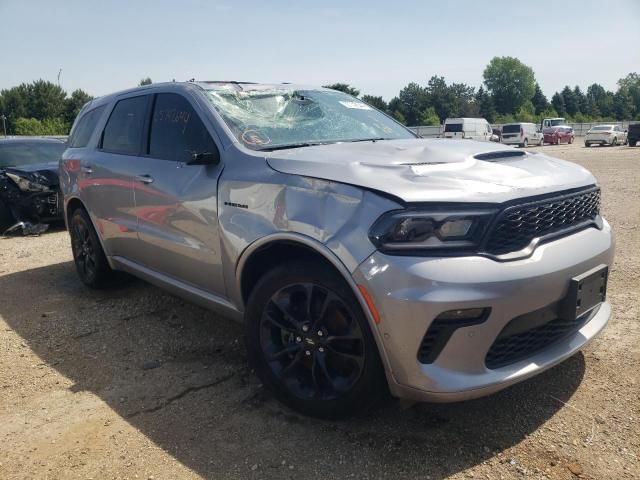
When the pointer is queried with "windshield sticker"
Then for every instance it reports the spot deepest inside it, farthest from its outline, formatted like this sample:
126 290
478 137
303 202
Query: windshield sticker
355 105
254 137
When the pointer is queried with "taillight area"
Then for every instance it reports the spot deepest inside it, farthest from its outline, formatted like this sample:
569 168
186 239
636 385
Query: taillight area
521 132
71 165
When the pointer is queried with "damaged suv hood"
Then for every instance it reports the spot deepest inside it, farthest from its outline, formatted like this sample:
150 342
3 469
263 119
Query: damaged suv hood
427 170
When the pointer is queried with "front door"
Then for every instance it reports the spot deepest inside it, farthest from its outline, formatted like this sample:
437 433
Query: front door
176 203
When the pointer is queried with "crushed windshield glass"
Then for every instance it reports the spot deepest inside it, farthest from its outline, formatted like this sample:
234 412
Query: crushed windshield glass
268 119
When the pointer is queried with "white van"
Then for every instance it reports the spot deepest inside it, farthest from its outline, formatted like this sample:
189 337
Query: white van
469 128
523 134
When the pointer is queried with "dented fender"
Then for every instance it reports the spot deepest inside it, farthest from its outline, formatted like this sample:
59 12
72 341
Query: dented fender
329 214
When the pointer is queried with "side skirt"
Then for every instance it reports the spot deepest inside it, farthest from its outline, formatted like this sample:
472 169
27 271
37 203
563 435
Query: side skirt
193 294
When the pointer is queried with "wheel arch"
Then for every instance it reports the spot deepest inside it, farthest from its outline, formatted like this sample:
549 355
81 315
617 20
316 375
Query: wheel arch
71 206
274 248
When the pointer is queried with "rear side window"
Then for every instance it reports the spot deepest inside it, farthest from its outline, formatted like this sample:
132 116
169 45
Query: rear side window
85 127
176 130
511 129
453 127
123 131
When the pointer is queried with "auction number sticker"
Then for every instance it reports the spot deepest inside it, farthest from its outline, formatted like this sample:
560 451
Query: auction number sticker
355 105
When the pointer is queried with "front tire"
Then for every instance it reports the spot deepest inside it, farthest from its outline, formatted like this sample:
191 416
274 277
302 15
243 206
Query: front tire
525 144
310 342
615 142
89 258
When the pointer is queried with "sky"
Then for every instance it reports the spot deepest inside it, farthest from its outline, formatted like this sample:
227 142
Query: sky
377 46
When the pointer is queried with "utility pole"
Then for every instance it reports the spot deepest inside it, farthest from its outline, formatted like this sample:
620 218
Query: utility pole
4 124
59 73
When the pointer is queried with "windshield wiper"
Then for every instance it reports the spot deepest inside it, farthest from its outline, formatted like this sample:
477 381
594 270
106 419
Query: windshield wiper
367 140
292 145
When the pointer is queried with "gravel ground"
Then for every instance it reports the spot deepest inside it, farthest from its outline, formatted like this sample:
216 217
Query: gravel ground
135 383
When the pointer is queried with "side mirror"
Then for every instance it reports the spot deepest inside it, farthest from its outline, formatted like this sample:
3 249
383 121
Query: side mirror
204 158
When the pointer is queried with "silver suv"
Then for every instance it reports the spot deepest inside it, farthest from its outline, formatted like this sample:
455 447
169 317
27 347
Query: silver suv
361 259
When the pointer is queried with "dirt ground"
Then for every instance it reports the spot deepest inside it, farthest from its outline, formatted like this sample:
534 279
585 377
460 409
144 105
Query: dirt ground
134 383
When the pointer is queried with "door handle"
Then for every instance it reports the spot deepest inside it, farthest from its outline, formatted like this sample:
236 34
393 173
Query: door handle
144 178
86 170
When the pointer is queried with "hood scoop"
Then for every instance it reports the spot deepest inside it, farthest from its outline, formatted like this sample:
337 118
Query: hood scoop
500 155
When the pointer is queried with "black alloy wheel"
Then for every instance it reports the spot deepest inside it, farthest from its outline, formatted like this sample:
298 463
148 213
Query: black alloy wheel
91 263
310 342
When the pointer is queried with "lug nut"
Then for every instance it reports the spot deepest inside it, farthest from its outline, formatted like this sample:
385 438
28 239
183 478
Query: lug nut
305 328
320 333
321 350
298 339
307 353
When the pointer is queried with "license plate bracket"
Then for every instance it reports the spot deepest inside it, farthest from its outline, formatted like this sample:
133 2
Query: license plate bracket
586 291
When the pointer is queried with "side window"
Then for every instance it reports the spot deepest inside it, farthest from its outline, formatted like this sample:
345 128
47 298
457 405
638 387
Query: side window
85 127
123 131
176 130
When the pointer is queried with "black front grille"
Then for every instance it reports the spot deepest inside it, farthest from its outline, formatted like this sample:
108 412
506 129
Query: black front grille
517 226
513 344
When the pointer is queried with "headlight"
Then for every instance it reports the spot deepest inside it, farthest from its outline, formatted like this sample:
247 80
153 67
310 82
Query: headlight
26 185
430 231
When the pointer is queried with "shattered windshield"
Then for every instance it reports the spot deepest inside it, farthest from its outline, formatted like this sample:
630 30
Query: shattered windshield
15 154
269 119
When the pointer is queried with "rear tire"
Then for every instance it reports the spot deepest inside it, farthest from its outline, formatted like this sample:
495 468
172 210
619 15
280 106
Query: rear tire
89 258
525 144
6 218
587 144
570 140
310 342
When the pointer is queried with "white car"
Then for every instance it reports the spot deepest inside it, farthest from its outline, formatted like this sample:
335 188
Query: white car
523 134
469 128
605 135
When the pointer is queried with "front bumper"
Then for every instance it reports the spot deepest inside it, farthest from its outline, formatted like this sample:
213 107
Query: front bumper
411 292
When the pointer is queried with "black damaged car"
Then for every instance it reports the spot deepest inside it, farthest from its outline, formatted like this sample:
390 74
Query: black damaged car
29 189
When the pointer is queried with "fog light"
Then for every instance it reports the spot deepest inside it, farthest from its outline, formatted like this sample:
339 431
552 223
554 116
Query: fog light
463 314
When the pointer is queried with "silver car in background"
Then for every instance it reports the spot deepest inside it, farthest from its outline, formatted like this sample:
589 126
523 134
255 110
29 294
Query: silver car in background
522 134
605 135
360 258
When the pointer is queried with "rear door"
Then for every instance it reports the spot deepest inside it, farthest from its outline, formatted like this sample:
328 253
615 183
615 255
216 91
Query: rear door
106 175
176 203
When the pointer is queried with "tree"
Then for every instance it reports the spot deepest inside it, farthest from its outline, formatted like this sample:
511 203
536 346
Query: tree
412 101
376 102
539 101
526 113
623 106
581 100
145 81
32 126
510 82
602 99
463 100
570 103
632 83
557 102
430 117
399 117
46 100
485 105
344 87
74 103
